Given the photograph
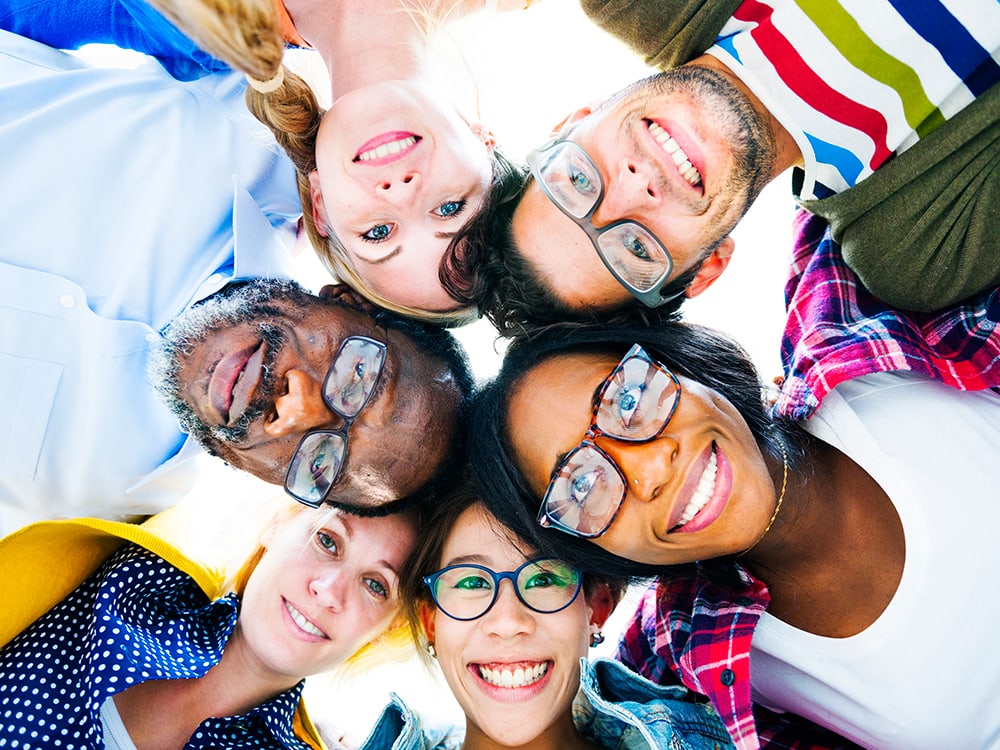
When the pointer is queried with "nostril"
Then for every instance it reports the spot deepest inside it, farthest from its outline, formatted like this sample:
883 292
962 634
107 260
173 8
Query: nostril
408 179
648 190
386 185
631 168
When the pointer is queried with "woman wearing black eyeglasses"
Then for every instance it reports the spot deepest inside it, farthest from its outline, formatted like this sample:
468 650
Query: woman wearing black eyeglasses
510 630
866 532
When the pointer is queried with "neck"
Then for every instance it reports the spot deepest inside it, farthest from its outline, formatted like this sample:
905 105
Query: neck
834 556
231 688
562 734
362 42
787 152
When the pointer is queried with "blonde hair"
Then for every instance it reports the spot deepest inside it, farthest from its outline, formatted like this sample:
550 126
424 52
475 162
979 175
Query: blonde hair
246 34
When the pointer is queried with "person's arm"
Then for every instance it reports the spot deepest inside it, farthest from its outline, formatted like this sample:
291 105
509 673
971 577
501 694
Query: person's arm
129 24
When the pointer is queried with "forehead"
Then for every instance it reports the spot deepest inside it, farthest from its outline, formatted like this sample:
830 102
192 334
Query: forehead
477 534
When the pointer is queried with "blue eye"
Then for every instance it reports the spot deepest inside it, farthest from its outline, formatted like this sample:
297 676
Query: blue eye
634 245
378 233
450 208
581 181
359 369
628 403
582 484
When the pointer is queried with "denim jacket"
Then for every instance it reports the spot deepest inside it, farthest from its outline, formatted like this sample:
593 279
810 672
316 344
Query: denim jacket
615 708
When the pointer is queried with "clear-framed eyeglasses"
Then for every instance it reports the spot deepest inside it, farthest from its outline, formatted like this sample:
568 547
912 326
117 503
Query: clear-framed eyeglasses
347 389
634 405
630 251
466 592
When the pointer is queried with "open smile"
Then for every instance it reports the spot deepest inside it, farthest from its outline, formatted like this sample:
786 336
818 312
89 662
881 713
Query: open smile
676 154
708 496
386 148
512 681
302 622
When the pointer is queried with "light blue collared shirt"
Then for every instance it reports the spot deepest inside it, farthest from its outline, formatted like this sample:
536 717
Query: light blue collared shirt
127 197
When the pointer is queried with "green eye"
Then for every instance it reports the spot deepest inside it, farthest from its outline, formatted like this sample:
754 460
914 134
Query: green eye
377 588
472 583
326 541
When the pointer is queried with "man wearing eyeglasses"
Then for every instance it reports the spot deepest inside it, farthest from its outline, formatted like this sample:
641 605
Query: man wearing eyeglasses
336 400
888 116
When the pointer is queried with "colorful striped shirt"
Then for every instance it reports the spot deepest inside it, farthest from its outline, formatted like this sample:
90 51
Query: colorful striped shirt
836 330
857 81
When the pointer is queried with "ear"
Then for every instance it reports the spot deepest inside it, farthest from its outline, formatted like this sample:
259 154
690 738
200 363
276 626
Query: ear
427 615
483 133
318 207
712 268
346 295
572 118
599 606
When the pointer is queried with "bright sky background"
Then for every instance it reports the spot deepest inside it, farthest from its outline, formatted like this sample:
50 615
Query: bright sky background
531 69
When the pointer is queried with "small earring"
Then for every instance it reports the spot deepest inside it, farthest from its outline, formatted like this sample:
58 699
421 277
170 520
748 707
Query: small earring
431 651
596 639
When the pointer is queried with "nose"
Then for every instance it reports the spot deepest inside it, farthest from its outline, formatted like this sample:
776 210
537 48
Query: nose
398 188
648 467
329 588
508 617
301 408
630 189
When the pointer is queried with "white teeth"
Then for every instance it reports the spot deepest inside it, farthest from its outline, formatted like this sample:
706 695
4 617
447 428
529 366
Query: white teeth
516 678
676 153
302 622
392 147
703 492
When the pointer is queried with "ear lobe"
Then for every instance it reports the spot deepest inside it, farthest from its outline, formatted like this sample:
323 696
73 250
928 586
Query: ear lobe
483 133
600 604
712 268
572 118
318 207
427 620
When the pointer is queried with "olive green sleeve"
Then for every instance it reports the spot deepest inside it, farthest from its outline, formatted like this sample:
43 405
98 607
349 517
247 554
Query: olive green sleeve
923 231
667 33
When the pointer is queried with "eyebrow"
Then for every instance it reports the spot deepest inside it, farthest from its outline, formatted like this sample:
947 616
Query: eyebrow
462 559
385 258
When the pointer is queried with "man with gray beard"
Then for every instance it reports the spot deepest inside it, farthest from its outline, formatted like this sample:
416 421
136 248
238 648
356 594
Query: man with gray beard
885 112
337 400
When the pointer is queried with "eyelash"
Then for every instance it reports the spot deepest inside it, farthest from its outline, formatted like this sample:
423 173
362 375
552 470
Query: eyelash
365 236
335 552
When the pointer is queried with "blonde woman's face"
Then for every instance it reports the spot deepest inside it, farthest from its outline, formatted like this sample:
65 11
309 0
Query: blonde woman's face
399 173
327 584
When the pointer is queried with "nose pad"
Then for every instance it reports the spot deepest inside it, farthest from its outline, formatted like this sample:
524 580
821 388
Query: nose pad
301 408
647 467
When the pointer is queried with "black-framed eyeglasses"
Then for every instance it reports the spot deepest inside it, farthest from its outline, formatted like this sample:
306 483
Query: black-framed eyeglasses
347 388
629 250
467 591
634 405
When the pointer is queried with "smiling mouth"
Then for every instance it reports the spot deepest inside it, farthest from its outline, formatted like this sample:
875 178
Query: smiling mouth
300 619
506 676
389 148
702 493
673 150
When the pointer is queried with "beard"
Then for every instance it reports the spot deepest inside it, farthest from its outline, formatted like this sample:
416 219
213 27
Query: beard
234 304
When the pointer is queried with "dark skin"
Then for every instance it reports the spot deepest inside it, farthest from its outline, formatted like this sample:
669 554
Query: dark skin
834 557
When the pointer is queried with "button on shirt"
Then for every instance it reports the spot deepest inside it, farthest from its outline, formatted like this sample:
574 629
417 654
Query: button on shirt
138 618
131 196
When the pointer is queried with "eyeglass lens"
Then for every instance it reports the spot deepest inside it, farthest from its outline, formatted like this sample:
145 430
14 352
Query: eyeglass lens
349 385
466 592
636 402
574 183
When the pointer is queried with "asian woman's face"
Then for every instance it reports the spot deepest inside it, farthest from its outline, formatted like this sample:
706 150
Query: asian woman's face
399 172
699 490
514 671
328 583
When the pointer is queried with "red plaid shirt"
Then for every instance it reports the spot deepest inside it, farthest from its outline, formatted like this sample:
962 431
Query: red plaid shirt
691 630
836 330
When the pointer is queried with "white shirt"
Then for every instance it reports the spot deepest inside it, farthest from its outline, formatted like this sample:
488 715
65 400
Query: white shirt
125 196
926 673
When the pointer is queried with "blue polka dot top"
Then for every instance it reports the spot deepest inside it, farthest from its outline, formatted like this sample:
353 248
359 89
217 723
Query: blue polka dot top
137 618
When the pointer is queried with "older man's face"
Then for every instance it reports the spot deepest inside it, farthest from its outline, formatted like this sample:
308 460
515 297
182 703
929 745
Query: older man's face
244 374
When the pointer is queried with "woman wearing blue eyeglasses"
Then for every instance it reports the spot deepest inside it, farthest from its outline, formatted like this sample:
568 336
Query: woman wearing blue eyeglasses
857 549
510 630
